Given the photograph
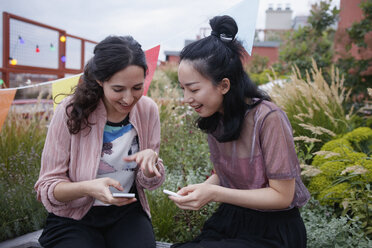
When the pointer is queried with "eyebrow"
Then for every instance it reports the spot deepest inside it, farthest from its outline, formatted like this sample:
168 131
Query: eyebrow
190 83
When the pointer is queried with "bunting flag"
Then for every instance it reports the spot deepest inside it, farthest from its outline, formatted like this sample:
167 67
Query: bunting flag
245 15
152 56
6 99
63 88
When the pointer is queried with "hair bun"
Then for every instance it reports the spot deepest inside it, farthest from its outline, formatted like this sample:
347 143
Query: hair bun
224 27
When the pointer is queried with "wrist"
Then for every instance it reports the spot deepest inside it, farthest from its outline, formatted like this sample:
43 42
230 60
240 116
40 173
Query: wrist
214 192
84 188
156 160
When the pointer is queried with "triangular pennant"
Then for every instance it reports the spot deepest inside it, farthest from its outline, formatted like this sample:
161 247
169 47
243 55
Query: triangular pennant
6 99
62 87
245 15
152 56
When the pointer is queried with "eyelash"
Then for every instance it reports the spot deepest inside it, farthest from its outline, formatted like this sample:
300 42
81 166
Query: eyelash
140 88
193 91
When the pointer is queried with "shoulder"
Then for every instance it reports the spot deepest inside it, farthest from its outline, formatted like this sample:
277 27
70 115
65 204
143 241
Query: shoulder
147 100
266 107
146 104
145 109
60 109
266 111
271 115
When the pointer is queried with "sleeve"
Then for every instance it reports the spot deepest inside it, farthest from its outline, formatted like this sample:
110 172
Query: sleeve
277 146
54 161
153 140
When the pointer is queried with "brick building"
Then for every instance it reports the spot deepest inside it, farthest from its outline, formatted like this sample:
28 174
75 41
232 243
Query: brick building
350 12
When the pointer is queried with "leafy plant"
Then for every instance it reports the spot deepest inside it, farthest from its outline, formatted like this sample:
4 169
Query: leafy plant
185 153
346 173
314 107
325 230
310 42
21 143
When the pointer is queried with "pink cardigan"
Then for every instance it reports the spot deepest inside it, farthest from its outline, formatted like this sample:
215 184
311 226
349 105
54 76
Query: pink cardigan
73 158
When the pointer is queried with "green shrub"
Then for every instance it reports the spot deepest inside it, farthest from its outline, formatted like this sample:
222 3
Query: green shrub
345 175
314 107
165 83
21 144
184 150
264 77
185 153
325 230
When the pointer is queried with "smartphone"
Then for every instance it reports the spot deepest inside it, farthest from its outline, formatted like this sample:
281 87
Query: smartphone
126 195
168 192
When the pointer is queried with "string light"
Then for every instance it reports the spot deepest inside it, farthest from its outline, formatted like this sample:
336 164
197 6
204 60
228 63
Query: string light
63 58
21 40
13 61
52 47
1 82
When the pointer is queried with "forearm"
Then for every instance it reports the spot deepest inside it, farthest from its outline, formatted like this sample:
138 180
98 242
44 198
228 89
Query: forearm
213 179
264 198
69 191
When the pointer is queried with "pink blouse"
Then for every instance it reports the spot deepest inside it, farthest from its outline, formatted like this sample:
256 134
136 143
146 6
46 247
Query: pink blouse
265 150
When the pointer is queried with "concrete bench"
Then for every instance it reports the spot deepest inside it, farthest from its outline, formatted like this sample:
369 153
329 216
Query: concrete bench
30 240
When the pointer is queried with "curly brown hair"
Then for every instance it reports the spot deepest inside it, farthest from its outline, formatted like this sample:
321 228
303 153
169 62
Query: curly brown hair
111 55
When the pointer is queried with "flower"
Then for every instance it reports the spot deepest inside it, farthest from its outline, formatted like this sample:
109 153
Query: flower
356 169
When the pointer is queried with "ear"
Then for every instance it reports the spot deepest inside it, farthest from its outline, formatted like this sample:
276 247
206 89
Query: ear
224 86
99 83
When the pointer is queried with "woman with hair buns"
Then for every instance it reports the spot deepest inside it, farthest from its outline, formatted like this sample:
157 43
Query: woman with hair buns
256 171
103 139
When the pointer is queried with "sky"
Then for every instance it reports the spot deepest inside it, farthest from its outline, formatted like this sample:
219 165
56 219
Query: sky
150 22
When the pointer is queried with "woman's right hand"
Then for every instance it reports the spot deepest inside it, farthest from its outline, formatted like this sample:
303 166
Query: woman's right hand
99 189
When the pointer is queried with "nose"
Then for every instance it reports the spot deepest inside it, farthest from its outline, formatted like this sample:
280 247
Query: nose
128 97
187 98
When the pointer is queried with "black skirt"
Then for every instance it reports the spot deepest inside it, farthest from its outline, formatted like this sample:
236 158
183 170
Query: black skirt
238 227
103 226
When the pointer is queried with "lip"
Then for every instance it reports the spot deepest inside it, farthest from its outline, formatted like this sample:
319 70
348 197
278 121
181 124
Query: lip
126 107
198 108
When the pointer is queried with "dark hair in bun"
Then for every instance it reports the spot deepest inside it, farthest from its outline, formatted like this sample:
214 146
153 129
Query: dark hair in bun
224 27
216 57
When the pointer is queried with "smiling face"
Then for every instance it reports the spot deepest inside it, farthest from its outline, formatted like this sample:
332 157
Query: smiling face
199 92
122 92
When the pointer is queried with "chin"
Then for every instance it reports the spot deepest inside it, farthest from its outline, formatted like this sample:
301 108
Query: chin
123 111
205 115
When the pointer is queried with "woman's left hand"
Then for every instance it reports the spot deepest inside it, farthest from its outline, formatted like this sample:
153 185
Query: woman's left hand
147 160
195 196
